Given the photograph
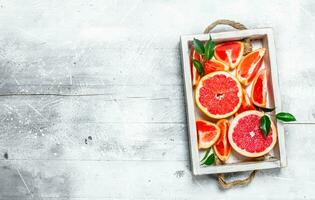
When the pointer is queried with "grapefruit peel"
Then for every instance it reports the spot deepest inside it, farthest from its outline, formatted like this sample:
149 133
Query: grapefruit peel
249 66
252 139
207 133
230 53
223 94
222 147
259 89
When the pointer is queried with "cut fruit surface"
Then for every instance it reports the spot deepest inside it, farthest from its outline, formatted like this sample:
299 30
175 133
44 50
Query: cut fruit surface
214 65
218 95
246 103
259 89
249 66
222 147
230 53
207 133
195 77
247 139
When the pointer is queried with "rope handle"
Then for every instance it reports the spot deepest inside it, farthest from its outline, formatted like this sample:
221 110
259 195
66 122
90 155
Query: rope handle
234 24
227 185
242 182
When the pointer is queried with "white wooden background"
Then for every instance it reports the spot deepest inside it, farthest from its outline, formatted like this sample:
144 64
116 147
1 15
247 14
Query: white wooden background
121 61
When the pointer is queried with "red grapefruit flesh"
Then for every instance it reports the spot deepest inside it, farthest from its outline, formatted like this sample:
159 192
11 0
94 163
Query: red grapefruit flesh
229 52
194 73
207 133
249 66
222 147
259 89
246 103
218 95
247 139
214 65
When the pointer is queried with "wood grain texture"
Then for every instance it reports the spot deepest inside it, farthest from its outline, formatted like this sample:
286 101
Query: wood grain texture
124 55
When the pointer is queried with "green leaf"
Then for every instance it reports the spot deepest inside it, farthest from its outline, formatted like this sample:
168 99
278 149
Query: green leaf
210 160
209 52
264 109
265 124
206 154
199 67
199 46
286 117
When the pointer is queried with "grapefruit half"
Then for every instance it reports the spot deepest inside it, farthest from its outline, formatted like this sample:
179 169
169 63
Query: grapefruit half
229 52
222 147
249 66
259 89
218 95
247 139
207 133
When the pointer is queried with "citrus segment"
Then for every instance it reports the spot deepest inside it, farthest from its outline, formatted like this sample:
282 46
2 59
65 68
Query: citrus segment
247 139
229 53
222 147
218 95
194 73
249 66
259 89
214 65
246 103
207 133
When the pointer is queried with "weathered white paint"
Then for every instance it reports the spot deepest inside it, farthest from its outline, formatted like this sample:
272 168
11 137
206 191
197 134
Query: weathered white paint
125 53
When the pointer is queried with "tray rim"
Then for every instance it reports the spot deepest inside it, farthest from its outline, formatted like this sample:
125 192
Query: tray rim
190 112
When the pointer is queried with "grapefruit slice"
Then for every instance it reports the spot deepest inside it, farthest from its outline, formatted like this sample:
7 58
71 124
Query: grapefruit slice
246 103
207 133
195 77
247 139
218 95
249 66
215 65
229 52
259 89
222 147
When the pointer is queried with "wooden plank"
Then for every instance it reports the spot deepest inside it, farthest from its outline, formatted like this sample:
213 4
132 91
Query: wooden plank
113 91
91 109
93 141
190 111
94 65
274 91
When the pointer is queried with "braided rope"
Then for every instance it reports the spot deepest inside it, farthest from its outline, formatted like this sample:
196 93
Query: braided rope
227 185
236 25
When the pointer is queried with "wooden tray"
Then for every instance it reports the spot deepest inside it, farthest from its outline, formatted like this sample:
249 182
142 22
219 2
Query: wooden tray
277 157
